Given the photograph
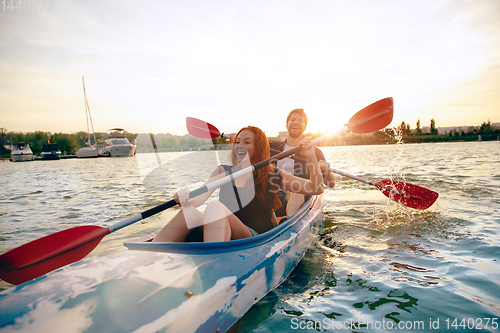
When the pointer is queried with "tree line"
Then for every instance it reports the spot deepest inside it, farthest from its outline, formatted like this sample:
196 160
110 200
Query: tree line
68 143
163 142
486 131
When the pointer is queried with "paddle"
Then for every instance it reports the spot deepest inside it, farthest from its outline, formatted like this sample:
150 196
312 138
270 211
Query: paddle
43 255
367 120
408 195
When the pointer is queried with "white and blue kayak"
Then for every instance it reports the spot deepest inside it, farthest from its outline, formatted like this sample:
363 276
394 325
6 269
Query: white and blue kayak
163 287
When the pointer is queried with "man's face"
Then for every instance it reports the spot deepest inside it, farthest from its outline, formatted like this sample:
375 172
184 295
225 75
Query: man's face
296 125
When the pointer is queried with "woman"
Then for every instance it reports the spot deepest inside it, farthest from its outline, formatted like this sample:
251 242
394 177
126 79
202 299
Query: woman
245 207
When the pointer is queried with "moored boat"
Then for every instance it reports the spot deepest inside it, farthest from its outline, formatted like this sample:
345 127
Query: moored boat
169 287
50 151
117 145
86 152
21 152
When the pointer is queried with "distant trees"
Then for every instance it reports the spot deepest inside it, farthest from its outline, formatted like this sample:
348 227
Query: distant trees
66 142
82 137
4 140
193 142
471 130
485 128
169 142
384 136
418 130
404 129
403 133
434 131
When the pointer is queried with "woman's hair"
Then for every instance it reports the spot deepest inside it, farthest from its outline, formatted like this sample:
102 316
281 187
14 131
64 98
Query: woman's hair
262 177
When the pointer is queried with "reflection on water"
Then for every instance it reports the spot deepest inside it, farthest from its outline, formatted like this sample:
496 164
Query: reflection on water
377 261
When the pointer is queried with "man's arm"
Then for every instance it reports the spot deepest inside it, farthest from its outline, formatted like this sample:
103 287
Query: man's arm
328 177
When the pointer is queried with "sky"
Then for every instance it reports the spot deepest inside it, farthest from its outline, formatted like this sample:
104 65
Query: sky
233 63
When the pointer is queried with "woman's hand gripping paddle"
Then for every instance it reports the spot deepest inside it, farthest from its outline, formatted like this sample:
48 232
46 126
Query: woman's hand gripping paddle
48 253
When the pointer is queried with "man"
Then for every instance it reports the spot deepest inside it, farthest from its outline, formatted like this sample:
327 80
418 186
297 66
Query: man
296 124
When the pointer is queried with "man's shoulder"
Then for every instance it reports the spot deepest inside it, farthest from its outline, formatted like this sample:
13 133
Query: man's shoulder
278 145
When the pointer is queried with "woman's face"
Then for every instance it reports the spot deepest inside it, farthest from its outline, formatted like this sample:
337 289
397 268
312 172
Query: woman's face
244 144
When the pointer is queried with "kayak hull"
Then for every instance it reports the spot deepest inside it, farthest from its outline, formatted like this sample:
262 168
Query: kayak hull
166 287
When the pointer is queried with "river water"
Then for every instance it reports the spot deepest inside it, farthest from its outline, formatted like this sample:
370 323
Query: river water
376 266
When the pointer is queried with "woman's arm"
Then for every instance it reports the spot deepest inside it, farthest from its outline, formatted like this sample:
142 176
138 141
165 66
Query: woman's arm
182 196
313 185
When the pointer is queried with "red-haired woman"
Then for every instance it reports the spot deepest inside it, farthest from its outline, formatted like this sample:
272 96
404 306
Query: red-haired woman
245 206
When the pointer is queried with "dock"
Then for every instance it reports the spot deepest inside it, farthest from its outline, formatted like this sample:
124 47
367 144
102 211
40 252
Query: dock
38 158
61 157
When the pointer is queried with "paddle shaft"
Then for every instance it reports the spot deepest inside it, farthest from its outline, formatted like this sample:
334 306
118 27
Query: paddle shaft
369 182
297 158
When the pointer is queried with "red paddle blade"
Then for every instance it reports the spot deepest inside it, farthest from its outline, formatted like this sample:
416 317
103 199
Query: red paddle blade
408 195
48 253
200 129
372 118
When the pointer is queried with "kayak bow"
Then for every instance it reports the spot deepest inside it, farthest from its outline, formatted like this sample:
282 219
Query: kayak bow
175 287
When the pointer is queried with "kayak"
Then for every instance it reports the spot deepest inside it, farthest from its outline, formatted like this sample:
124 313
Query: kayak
167 287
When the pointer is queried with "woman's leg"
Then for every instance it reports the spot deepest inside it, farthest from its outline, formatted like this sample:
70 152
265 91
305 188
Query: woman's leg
219 224
295 201
176 229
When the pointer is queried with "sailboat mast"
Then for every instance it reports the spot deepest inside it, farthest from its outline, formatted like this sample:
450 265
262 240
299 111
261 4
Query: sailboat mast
87 112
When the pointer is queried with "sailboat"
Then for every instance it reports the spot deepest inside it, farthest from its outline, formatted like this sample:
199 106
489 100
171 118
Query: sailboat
90 150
